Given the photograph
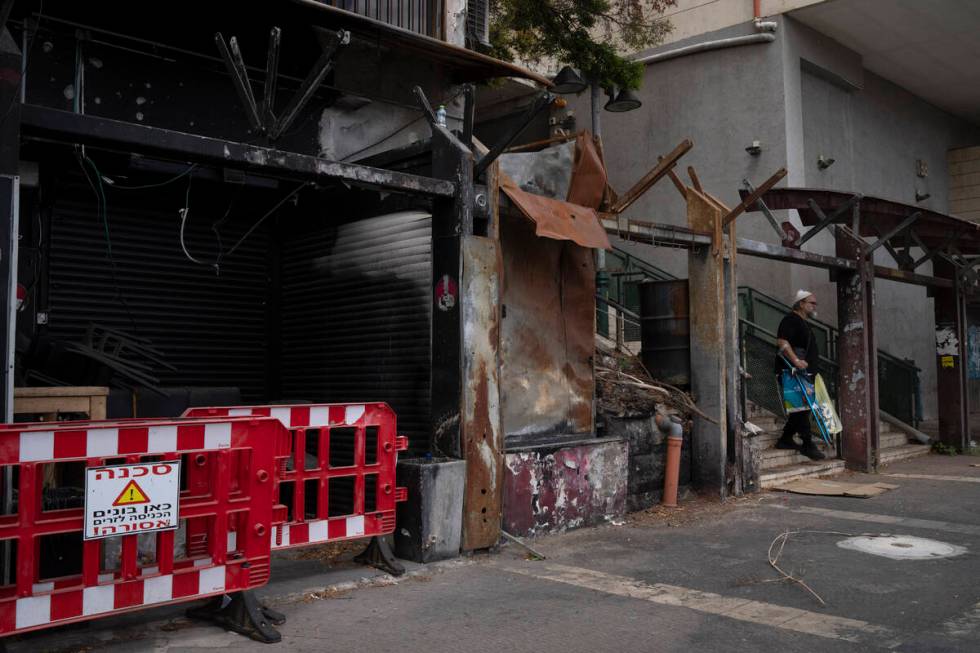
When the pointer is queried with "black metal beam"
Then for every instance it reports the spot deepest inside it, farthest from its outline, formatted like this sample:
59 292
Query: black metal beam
825 220
313 80
469 114
910 277
540 103
761 205
271 78
424 104
789 255
902 259
901 226
68 127
239 77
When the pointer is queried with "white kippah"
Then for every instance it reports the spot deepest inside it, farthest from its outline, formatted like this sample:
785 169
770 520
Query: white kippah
800 296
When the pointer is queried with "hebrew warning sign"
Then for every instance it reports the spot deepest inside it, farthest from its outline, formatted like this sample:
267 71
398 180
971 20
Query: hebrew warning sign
127 499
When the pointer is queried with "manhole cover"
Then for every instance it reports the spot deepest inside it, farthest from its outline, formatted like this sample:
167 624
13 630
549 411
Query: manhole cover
902 547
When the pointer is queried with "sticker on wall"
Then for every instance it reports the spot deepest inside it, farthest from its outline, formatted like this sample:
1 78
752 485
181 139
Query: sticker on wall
446 293
947 344
947 362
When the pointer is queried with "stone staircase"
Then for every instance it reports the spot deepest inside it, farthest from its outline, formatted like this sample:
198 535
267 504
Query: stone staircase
778 466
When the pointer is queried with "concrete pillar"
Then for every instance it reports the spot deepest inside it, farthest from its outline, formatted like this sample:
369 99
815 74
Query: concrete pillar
951 383
857 355
709 364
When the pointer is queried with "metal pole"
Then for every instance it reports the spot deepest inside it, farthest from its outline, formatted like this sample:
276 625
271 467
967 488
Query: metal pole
601 276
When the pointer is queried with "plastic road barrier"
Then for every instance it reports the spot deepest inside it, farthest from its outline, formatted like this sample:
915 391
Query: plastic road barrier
337 479
115 516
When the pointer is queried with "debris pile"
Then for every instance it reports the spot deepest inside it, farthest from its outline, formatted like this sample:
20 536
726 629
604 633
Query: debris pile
624 388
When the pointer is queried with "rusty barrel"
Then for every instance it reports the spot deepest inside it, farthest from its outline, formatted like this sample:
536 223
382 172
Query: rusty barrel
665 330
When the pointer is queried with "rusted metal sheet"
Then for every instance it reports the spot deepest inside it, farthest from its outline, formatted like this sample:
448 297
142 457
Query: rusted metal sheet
547 491
589 181
557 219
950 363
857 384
482 437
708 350
547 334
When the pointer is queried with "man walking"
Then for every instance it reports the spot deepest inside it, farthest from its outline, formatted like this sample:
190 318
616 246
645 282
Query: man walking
795 343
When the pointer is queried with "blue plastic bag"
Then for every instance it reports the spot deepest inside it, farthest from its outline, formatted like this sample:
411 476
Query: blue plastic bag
793 386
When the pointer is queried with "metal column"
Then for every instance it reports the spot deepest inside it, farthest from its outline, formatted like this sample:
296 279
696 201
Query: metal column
951 383
857 355
709 355
10 74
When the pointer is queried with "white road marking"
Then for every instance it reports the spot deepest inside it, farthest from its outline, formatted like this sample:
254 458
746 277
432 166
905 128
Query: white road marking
757 612
932 524
939 477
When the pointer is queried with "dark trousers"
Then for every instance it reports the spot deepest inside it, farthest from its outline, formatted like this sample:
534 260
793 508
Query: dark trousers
798 423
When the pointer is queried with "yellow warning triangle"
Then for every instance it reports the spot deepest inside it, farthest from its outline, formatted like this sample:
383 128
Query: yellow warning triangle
132 493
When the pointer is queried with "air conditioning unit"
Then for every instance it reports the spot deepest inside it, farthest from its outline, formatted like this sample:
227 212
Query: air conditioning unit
478 23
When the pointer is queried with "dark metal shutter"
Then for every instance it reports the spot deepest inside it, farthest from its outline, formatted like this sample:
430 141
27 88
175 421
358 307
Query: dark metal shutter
212 328
356 316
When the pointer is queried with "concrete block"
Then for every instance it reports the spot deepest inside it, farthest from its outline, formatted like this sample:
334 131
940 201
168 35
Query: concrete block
429 524
553 489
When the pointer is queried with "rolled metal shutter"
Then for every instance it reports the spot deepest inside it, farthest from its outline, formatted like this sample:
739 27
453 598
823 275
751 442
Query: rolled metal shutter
212 327
356 316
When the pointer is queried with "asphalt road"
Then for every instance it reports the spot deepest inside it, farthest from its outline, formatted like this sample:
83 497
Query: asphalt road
698 579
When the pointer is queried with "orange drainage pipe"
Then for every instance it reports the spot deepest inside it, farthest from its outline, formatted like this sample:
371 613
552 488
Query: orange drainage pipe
675 439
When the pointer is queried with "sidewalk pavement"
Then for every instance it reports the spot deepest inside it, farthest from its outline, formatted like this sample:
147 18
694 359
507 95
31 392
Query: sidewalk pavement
697 578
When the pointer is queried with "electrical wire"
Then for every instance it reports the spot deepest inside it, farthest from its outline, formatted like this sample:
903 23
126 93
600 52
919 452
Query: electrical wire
102 208
267 214
112 183
400 129
184 212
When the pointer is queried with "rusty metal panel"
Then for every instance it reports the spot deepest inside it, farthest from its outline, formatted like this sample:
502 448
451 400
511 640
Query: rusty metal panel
589 182
552 490
557 219
547 334
857 384
706 284
950 362
482 437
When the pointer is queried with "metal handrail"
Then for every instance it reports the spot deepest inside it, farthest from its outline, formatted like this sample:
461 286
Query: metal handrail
619 307
828 362
832 330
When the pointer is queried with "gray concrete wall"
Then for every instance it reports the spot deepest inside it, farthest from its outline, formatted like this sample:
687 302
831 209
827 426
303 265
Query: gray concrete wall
722 101
875 131
803 96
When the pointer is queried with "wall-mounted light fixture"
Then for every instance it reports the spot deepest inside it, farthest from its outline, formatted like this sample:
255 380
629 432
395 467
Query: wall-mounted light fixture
755 149
624 100
568 81
824 162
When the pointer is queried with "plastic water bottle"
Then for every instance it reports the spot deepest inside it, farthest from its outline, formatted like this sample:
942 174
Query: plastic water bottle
441 115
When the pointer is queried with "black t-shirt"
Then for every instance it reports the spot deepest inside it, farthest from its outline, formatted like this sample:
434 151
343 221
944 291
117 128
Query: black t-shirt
795 330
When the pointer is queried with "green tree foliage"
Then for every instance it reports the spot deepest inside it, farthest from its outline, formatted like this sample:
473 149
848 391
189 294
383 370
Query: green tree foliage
587 34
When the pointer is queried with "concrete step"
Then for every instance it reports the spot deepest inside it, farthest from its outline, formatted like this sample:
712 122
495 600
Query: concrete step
768 441
904 452
792 472
772 458
891 440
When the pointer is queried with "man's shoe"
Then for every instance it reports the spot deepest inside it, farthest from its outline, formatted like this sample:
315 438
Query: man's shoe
810 451
786 443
